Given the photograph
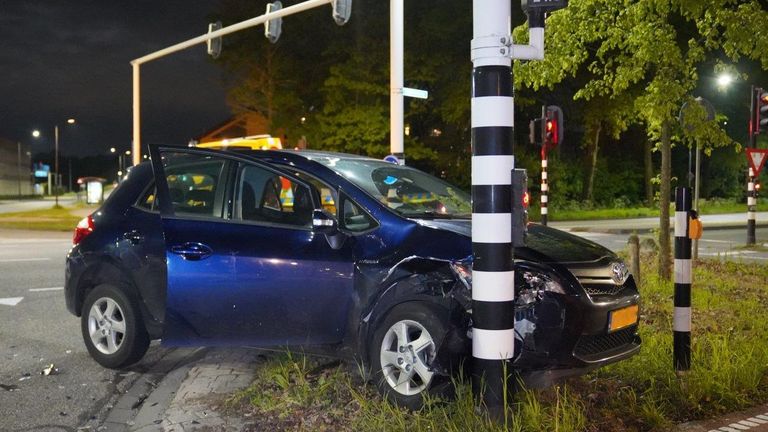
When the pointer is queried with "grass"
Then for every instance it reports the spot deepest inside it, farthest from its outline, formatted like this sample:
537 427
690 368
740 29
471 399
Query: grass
579 212
643 393
51 219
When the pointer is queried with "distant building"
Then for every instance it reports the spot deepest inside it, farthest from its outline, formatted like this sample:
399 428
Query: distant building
241 125
15 168
248 124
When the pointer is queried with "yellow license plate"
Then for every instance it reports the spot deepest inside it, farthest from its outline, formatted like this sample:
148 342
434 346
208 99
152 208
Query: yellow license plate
623 317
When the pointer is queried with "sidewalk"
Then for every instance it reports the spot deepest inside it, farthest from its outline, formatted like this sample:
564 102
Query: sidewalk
644 225
193 382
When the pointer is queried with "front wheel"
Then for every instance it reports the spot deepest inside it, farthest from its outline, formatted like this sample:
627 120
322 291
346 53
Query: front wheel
112 328
404 352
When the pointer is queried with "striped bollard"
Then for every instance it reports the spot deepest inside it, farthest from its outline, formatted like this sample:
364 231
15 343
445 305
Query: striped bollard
544 188
493 290
682 318
751 208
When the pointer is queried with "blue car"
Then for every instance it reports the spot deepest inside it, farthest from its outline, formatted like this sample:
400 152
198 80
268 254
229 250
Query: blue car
334 253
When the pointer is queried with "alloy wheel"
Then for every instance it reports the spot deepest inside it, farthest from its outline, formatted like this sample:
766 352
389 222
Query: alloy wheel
407 352
106 325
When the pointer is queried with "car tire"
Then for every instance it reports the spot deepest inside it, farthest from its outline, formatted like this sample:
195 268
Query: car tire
112 327
403 350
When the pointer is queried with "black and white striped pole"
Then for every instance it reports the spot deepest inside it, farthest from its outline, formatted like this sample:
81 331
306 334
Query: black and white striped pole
493 290
751 208
681 325
544 186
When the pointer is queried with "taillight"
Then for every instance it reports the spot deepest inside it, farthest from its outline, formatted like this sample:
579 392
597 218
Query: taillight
83 229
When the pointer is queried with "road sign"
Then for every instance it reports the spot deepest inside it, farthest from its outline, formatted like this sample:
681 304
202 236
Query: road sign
415 93
757 158
392 159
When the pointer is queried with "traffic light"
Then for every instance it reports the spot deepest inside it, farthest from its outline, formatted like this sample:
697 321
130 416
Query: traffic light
214 45
520 200
534 131
554 128
273 28
762 110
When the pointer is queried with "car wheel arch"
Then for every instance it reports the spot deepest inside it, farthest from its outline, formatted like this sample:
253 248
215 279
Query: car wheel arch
103 270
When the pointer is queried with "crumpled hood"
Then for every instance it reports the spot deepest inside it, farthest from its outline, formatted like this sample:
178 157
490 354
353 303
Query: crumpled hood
542 243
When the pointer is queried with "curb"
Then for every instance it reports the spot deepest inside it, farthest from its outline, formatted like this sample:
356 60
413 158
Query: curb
647 230
181 400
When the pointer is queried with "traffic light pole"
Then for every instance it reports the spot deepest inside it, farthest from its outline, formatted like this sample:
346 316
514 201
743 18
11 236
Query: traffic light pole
493 281
754 128
544 167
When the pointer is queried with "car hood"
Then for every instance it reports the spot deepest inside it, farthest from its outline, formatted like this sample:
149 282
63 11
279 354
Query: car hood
542 243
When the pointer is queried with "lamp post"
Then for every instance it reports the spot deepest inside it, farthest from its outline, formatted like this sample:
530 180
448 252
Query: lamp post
57 180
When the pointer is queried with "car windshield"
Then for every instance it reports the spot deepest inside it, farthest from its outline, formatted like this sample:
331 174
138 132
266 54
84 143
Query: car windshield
408 191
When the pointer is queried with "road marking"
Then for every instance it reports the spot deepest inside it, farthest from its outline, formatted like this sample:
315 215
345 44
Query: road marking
748 423
11 301
46 289
12 260
757 420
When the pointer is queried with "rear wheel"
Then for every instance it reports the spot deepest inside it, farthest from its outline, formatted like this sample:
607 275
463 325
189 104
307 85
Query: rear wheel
404 352
112 327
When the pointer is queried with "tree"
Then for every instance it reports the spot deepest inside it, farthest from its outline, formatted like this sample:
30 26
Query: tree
653 45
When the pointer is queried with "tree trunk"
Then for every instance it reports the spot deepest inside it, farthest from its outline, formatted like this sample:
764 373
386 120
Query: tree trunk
665 192
589 187
648 174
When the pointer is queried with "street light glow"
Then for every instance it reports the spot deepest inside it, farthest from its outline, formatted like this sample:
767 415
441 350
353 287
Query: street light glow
36 133
70 121
724 80
112 149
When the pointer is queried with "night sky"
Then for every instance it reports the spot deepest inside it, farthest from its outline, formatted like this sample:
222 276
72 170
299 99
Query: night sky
62 59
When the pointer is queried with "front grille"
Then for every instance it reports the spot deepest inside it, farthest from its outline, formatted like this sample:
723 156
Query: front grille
592 345
594 289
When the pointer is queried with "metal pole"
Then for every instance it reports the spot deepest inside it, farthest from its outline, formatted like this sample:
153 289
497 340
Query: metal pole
136 113
544 166
681 325
493 290
696 191
396 79
544 188
18 166
754 125
56 179
261 19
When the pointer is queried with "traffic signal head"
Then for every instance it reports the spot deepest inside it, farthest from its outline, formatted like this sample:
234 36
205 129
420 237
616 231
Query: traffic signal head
762 111
554 128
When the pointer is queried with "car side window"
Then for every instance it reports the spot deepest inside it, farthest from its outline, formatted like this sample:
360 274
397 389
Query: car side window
195 184
267 197
353 218
148 200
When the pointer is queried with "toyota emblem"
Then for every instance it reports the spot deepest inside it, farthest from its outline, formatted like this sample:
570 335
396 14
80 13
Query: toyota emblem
619 273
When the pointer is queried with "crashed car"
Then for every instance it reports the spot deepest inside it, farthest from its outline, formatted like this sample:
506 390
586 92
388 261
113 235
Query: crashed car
336 254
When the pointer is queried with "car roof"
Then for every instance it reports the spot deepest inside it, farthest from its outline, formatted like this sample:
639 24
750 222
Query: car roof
291 155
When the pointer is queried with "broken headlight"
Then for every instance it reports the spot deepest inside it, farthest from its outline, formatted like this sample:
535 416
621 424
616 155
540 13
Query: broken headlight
534 285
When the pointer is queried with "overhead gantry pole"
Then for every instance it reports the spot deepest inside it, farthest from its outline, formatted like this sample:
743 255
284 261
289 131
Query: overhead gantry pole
341 11
493 276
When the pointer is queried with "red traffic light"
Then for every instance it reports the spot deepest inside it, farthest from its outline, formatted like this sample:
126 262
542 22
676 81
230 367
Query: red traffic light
526 200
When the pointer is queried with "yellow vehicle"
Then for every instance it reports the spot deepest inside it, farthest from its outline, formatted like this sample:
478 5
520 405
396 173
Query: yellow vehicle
254 142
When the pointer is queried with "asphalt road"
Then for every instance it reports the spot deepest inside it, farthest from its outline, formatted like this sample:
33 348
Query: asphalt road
36 330
720 243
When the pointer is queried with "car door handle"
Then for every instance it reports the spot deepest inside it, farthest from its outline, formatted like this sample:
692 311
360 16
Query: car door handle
192 251
133 236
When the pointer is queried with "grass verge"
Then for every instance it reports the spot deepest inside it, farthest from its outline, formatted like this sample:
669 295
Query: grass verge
572 212
643 393
51 219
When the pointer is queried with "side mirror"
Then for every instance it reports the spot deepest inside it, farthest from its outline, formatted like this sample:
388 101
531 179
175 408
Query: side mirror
323 222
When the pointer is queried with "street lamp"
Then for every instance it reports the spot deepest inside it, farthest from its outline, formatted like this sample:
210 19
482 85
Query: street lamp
57 183
724 80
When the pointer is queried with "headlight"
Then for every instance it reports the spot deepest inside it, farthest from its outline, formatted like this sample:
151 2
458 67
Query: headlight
535 285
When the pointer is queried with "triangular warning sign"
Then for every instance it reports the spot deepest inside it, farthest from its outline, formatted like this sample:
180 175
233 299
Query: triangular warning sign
757 158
